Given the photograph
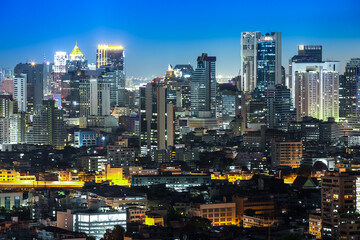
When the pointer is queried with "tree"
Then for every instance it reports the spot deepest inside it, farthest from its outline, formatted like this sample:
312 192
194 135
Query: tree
117 233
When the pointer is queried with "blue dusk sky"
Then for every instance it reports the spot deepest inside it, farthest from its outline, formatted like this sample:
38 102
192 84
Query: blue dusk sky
158 33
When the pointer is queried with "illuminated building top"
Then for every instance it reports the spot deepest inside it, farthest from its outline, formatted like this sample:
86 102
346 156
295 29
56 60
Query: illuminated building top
110 55
76 54
110 47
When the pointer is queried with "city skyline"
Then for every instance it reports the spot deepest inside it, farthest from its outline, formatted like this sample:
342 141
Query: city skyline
179 38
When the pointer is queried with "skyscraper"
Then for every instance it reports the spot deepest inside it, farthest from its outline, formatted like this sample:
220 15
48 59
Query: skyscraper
110 55
34 82
99 98
59 68
279 107
156 118
48 126
260 60
203 87
317 93
20 92
76 60
248 52
110 59
309 53
308 56
348 89
269 61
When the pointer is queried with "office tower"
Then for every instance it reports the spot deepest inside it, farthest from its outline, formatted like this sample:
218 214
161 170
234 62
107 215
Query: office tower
228 104
313 58
48 126
248 52
156 118
60 59
18 126
203 87
116 79
269 61
4 130
8 106
76 60
110 55
339 203
183 71
348 89
110 59
34 82
317 94
99 98
279 107
59 68
76 93
20 92
47 79
309 53
286 153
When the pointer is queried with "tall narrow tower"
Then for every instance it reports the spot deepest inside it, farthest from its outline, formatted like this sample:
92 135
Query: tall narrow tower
203 87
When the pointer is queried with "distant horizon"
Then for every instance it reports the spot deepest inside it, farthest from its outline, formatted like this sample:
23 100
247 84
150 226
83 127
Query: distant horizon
178 35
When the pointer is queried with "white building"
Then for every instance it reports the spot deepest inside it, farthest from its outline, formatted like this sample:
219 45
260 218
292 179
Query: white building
297 67
60 59
20 92
317 93
248 52
92 223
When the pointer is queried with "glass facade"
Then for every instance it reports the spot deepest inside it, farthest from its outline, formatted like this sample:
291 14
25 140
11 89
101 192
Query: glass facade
266 64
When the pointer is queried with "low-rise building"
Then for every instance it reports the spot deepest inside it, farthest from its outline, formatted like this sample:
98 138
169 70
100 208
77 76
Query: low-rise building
176 182
218 213
93 223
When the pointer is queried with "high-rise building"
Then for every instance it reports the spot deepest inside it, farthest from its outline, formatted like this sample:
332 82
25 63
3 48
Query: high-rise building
48 126
110 55
203 87
228 104
156 118
279 107
99 98
183 71
248 52
269 61
34 82
116 79
309 53
58 69
299 63
60 59
110 59
260 60
20 92
76 60
317 94
8 106
47 79
339 203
